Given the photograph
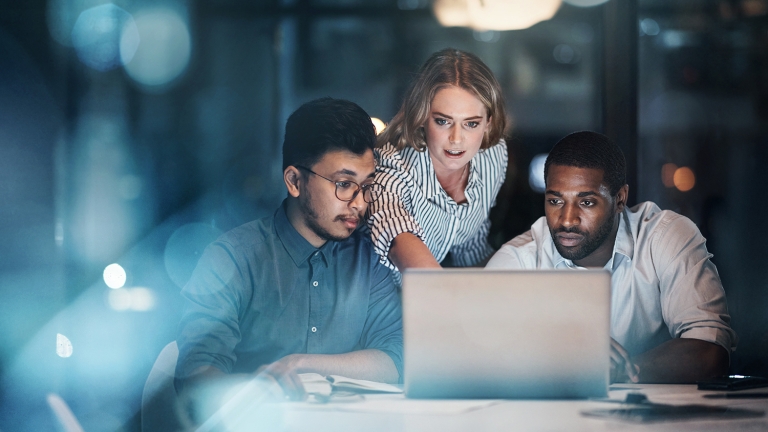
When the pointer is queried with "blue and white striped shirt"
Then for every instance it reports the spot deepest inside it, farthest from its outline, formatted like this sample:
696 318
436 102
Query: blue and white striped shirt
413 201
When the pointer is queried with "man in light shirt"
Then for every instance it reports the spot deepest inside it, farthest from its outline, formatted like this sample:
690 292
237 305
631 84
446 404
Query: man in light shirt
669 317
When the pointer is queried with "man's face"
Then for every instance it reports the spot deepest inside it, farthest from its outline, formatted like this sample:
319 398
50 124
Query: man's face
581 213
327 217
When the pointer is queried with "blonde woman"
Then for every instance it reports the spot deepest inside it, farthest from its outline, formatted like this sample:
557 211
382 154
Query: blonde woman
442 161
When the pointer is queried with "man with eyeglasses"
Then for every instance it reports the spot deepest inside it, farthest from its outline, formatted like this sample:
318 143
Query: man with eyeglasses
301 290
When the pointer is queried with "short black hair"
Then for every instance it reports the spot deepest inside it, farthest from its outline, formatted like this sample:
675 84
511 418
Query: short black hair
325 125
591 150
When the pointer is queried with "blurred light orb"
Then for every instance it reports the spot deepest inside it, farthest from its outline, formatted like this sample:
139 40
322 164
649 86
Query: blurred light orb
650 27
119 300
142 299
585 3
451 13
510 14
97 37
489 36
378 125
536 173
63 346
684 179
164 51
565 54
138 299
668 174
497 15
114 276
184 248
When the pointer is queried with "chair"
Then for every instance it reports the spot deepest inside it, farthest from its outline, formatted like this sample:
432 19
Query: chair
159 400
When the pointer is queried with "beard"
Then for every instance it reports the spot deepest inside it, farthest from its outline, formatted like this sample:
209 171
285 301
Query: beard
312 219
592 241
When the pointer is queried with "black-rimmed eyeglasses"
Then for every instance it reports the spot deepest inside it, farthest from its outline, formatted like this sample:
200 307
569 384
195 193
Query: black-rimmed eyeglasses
347 190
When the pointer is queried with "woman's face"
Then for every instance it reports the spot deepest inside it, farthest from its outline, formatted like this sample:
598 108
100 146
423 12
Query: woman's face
455 128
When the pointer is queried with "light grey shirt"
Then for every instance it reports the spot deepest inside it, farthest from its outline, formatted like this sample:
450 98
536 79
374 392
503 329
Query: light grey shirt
663 284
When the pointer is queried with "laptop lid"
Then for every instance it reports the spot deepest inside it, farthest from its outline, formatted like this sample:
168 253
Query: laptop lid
474 333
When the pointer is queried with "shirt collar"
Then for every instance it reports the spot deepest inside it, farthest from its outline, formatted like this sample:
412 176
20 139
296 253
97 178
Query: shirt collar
624 245
431 186
295 244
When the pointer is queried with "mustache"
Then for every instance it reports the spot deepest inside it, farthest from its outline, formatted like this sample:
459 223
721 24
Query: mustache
568 230
341 218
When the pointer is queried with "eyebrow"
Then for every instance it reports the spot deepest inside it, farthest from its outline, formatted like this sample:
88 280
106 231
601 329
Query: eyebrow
580 195
438 113
353 174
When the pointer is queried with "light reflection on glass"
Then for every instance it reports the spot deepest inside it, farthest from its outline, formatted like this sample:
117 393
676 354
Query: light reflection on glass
684 179
379 125
138 299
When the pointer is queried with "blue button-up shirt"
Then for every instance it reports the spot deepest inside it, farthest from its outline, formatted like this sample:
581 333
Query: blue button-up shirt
261 292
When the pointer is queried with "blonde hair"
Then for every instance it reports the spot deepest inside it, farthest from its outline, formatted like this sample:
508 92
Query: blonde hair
448 67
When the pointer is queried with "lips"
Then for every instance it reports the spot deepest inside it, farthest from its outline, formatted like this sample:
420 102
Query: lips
350 223
569 239
454 154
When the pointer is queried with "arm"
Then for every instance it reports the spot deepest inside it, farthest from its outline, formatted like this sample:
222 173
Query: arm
408 251
476 251
682 361
397 237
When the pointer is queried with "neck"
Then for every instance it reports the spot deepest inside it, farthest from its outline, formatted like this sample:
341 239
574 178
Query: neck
297 218
455 180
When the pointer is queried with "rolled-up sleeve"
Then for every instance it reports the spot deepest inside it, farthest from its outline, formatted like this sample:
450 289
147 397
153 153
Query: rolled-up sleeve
209 329
383 328
692 296
390 215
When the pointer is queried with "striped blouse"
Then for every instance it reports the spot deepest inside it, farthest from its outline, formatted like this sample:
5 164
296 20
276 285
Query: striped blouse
413 201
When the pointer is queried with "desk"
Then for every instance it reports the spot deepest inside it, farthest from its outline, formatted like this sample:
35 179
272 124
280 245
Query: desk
395 413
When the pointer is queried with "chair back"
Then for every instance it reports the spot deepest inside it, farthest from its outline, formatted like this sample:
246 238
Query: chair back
158 400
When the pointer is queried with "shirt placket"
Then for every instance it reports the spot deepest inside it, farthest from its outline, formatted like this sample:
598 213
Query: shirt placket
316 283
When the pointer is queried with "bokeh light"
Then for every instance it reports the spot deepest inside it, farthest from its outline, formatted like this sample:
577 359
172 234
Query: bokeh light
164 51
98 35
585 3
684 179
668 174
184 248
138 299
114 276
494 14
378 125
63 346
650 27
536 173
566 54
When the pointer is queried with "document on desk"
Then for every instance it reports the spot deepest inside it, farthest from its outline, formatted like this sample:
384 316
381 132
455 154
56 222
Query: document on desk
324 385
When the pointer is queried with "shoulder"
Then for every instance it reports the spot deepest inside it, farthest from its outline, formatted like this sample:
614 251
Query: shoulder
649 220
247 238
524 251
496 153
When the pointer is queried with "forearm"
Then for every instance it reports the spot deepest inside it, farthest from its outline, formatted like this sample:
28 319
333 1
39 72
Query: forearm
682 360
408 251
369 364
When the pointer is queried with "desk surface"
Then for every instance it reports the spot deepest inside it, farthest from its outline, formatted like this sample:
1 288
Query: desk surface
376 413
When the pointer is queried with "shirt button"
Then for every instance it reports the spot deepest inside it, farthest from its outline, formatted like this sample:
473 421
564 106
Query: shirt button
314 329
314 283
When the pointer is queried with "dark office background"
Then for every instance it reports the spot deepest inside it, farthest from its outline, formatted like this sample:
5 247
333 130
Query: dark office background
142 155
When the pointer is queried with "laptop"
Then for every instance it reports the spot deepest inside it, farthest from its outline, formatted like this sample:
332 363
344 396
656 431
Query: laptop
475 333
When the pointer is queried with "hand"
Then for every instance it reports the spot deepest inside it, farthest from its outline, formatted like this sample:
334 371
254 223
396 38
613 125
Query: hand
621 364
284 372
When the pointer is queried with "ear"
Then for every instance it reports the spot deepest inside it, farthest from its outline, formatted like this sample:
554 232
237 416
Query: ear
621 198
292 179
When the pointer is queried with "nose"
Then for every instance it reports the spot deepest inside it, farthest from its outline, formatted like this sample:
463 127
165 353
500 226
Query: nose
358 203
455 134
569 216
